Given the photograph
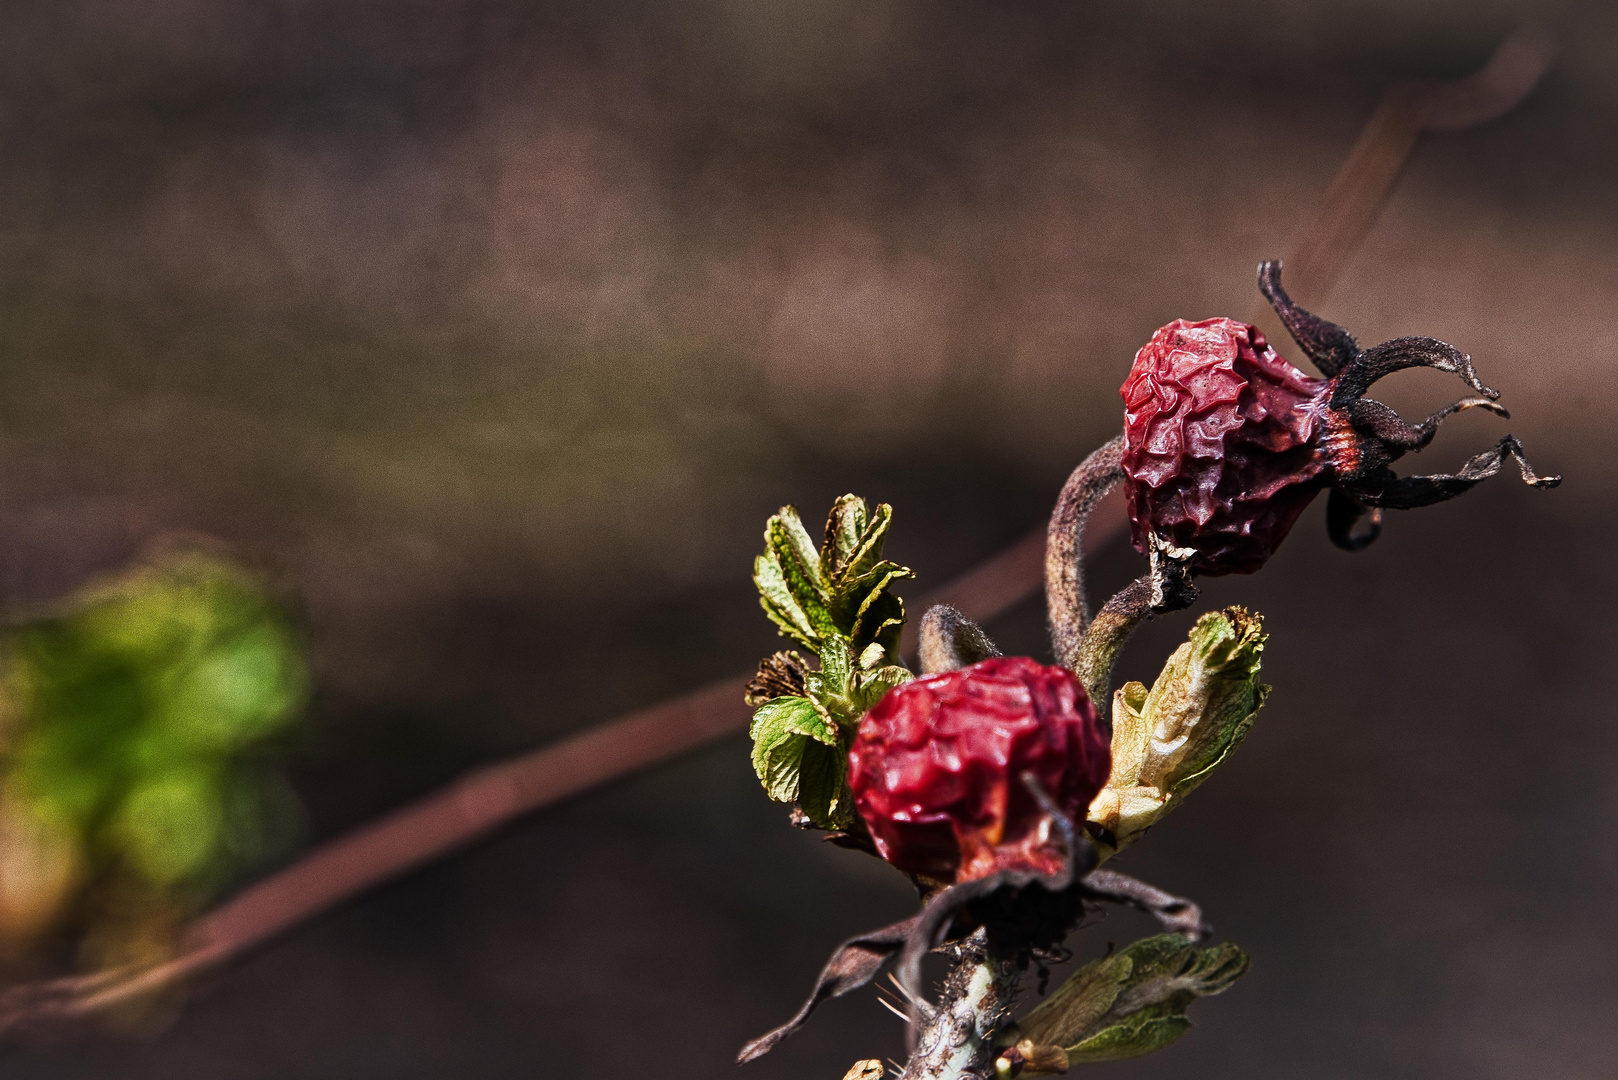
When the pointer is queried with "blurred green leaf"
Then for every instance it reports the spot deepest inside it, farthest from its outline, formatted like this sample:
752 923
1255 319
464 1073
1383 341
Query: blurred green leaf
130 709
170 824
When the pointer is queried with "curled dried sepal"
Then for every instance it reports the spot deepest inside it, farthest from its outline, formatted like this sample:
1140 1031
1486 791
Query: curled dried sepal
1132 1002
870 1069
1167 740
853 964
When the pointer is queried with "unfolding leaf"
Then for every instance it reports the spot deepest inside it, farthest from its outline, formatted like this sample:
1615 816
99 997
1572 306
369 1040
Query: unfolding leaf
845 525
1134 1001
840 590
778 602
1134 1036
858 578
788 580
871 686
1169 739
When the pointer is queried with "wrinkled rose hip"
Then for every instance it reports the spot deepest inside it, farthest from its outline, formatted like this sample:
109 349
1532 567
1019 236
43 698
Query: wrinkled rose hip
1219 436
936 768
1225 442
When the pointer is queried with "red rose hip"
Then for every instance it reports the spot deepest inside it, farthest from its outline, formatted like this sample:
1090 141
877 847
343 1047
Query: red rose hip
1218 443
936 767
1225 442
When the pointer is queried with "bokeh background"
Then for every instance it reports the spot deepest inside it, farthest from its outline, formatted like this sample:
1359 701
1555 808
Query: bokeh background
494 330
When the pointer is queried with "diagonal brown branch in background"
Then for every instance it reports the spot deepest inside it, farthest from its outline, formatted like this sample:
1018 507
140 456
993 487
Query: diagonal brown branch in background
489 798
1363 183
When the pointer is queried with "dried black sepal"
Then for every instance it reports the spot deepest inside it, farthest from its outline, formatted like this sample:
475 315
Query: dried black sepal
853 964
1361 436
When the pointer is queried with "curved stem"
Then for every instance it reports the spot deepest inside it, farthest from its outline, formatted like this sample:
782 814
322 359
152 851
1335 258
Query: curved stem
1165 587
1064 558
1099 648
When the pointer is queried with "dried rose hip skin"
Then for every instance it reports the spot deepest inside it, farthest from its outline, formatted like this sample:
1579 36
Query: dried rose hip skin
938 764
1219 436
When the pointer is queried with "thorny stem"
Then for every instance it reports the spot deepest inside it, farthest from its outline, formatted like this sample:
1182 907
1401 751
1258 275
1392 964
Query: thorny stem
956 1042
1064 558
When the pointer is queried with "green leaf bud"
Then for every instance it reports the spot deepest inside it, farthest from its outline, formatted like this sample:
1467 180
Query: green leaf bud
1167 740
836 601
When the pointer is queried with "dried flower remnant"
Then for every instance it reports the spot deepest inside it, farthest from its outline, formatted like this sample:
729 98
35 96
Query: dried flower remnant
1225 442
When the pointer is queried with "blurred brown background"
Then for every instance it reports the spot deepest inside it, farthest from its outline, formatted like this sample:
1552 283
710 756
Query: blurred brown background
494 330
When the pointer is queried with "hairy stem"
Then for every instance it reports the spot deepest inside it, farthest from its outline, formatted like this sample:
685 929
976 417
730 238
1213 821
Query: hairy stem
1064 557
1098 649
956 1042
1165 587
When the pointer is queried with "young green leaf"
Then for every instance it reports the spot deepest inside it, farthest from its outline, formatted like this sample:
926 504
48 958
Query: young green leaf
778 602
823 792
781 730
871 686
794 554
845 525
1134 1001
858 578
799 757
841 590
